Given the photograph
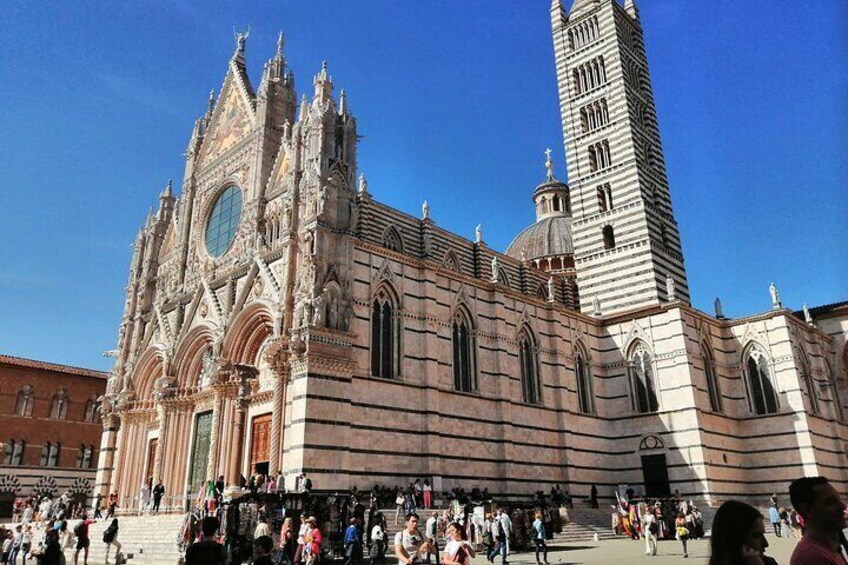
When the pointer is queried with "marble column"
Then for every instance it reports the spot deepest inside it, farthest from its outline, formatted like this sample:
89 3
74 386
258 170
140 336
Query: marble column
106 457
213 436
162 416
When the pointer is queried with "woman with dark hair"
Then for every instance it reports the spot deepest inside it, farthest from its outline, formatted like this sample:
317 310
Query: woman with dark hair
738 536
458 551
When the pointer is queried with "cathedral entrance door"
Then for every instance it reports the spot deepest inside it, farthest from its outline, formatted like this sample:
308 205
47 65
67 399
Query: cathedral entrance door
199 451
151 458
655 472
260 440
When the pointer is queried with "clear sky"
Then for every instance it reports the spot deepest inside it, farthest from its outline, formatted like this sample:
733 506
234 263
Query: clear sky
456 101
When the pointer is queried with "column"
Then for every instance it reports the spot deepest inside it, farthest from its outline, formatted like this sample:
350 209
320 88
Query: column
246 374
106 457
213 436
277 410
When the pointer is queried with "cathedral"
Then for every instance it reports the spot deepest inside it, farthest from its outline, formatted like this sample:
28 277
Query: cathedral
279 317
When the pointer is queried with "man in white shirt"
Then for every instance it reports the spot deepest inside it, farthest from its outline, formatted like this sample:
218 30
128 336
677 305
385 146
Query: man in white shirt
506 529
649 530
430 532
408 542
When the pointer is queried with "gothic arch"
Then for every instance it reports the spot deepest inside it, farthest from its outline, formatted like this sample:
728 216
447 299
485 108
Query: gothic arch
392 239
464 349
149 367
528 361
642 373
188 359
761 388
583 378
386 332
451 261
503 277
247 332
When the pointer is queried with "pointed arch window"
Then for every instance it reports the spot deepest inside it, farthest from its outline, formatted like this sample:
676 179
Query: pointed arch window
59 405
85 456
529 361
713 389
14 452
835 396
92 412
464 352
585 391
762 396
25 401
385 335
392 239
50 454
809 384
642 379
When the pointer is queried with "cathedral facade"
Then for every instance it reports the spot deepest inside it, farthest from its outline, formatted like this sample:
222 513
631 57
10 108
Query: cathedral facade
280 318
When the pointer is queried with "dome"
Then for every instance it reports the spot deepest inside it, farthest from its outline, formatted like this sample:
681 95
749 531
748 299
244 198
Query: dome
548 237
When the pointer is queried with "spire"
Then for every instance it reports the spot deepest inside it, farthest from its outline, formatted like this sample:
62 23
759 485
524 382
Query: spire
549 165
241 39
304 108
211 105
280 44
630 8
323 84
169 190
149 221
342 103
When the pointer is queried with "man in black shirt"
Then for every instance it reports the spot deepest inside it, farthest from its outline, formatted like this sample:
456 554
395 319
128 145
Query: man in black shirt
208 551
158 493
262 548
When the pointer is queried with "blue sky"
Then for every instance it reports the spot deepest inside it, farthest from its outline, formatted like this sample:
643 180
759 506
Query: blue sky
456 102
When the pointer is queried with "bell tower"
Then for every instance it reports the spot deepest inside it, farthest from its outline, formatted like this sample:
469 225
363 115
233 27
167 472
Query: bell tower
626 241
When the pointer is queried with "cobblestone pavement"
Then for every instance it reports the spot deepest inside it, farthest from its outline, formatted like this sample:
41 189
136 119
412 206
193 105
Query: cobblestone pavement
625 552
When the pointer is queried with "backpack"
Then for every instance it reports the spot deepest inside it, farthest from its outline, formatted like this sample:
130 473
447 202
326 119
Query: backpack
307 484
109 534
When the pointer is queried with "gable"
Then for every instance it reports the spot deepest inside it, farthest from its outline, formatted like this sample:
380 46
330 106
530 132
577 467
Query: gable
231 122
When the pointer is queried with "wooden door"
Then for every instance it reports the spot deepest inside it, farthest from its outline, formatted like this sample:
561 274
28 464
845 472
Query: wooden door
151 458
260 441
200 451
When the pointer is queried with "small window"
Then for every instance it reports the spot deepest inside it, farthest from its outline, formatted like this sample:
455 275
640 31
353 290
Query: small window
385 332
642 380
464 353
716 404
529 365
92 409
609 237
604 193
59 406
585 394
25 401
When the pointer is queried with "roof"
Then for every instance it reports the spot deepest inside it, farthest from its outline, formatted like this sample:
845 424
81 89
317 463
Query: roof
45 366
548 237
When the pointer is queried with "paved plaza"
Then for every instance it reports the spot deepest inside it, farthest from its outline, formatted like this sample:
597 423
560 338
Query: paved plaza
624 551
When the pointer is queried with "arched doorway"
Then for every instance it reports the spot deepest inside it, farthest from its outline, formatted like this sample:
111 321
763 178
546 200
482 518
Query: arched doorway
654 467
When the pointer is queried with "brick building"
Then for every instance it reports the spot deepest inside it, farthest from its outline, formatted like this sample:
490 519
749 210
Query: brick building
49 428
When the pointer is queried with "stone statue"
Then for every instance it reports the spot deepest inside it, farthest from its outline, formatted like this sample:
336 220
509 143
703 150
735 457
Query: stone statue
425 211
478 233
317 304
596 306
523 255
322 199
495 269
549 165
719 311
208 367
551 295
775 297
807 316
332 310
307 312
363 184
670 288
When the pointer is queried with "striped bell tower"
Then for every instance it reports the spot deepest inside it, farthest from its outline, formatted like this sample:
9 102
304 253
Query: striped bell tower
626 243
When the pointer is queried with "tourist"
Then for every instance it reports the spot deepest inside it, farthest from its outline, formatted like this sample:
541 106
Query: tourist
427 494
17 540
26 543
263 528
83 539
815 499
262 548
795 524
51 554
158 493
287 540
502 529
110 538
98 502
539 539
408 542
219 491
27 514
738 536
312 542
774 516
682 532
377 552
398 504
113 504
207 551
431 534
353 544
458 551
143 498
301 539
281 482
650 529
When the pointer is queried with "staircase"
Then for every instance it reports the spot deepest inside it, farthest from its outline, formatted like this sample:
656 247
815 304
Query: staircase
585 524
145 540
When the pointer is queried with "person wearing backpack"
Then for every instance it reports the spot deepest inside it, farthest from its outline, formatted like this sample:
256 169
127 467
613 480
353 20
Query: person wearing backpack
83 540
110 538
